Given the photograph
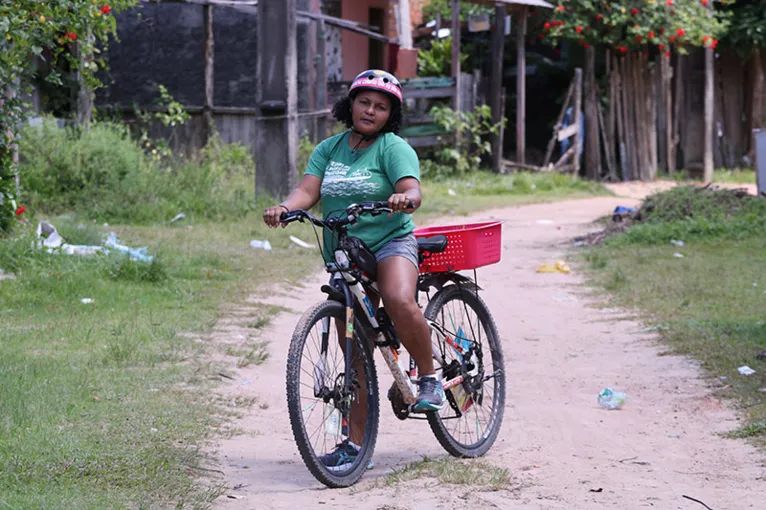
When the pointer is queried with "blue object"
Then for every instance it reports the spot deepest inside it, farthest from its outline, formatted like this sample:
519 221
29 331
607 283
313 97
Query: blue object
621 209
581 133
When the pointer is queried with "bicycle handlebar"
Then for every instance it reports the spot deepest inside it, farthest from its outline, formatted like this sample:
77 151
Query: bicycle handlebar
352 214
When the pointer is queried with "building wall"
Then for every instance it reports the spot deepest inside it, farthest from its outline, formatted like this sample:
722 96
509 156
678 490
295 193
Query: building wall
416 12
356 47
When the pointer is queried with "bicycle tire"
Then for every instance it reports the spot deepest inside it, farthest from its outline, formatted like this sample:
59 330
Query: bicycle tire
471 299
336 310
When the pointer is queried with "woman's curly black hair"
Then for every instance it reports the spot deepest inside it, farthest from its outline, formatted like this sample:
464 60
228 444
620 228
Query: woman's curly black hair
342 112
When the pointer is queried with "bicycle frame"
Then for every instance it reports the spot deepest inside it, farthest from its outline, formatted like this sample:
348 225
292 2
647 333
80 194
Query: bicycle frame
353 288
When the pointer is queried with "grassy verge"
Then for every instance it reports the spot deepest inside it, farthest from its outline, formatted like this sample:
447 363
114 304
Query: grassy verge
709 303
109 403
735 175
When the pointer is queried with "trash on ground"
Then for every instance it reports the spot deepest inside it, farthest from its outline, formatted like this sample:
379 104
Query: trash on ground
761 356
762 390
451 192
301 243
611 399
621 212
723 378
178 217
135 253
6 276
86 301
678 255
255 243
674 436
674 242
559 267
746 370
600 489
52 241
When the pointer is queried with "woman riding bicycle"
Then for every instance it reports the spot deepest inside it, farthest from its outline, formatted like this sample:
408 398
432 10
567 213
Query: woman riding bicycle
369 162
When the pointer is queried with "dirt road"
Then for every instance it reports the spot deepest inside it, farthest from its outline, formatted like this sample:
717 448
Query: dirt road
561 350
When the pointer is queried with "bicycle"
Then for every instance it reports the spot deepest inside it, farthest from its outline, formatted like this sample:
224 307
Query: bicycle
469 379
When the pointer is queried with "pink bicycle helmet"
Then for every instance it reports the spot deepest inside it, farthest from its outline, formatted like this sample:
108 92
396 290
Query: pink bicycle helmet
375 79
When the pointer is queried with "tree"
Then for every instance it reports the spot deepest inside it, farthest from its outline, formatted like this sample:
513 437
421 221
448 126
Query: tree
637 25
444 7
49 29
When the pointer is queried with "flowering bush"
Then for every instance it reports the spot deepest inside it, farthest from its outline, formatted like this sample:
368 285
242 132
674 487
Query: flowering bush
637 25
47 29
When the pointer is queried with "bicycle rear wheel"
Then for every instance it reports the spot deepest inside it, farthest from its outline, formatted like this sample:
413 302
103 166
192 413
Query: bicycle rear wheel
323 414
470 421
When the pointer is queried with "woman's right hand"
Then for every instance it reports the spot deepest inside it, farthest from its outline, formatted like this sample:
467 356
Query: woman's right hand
272 214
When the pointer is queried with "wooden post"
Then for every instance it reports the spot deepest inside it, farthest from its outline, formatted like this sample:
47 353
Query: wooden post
619 112
677 103
754 120
456 52
496 83
83 96
592 147
521 84
276 143
577 119
557 126
321 102
652 111
610 116
709 107
209 73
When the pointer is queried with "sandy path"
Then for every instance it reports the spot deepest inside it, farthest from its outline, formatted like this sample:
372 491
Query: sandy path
558 444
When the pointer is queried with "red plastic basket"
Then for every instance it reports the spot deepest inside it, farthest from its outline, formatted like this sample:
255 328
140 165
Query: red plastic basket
469 246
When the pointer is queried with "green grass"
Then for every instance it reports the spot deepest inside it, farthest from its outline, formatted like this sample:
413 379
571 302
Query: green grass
710 304
110 404
735 175
484 190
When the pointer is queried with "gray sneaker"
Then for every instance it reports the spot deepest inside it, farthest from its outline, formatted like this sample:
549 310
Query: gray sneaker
430 395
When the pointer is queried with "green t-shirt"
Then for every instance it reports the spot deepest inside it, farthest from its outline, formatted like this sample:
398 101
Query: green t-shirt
364 175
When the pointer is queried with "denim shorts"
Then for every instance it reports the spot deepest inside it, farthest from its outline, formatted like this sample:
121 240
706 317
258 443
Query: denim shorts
405 246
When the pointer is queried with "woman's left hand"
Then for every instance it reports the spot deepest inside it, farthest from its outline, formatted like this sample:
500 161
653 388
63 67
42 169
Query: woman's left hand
401 202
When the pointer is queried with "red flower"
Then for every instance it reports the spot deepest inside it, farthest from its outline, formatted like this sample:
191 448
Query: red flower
547 26
578 29
586 45
714 43
105 9
669 2
672 38
651 34
667 53
680 32
622 49
662 30
634 11
705 38
638 38
20 210
599 17
661 47
704 2
560 8
71 35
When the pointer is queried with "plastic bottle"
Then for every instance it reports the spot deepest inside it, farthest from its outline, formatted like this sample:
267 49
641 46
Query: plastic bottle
462 341
611 399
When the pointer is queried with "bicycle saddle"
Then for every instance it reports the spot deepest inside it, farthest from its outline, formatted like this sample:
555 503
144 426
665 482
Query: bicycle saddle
435 244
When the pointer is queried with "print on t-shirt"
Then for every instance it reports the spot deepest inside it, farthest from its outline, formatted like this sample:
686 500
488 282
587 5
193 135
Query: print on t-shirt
338 182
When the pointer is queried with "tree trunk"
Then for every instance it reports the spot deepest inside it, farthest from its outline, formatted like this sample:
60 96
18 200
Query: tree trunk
592 146
755 120
521 84
209 48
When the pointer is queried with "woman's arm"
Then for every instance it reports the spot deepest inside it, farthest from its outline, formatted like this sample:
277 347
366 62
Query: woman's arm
406 189
304 196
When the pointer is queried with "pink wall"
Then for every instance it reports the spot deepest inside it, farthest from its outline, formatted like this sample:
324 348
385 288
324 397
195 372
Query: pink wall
356 47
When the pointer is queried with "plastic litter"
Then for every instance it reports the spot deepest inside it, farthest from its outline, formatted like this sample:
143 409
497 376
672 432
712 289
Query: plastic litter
86 301
611 399
678 255
178 217
674 242
746 370
559 267
257 244
52 241
301 243
451 192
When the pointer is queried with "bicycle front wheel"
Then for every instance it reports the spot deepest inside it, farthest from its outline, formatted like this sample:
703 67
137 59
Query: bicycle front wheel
466 341
333 413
